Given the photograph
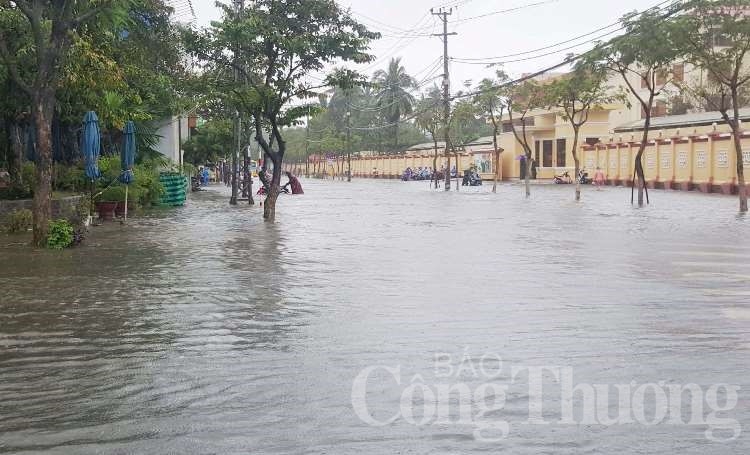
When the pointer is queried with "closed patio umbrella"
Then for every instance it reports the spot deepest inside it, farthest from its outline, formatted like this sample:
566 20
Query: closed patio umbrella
127 159
90 147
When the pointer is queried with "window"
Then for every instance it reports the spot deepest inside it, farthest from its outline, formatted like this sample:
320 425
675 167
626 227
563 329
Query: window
546 153
678 70
561 152
592 140
721 40
536 152
661 78
659 109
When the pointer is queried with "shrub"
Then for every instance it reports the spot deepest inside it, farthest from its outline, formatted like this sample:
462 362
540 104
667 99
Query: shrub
149 187
61 234
115 193
70 178
110 167
19 221
28 176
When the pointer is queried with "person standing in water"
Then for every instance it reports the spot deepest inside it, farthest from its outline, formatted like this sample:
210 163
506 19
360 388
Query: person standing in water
599 178
294 183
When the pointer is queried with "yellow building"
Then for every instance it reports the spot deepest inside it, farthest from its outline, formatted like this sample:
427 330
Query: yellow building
688 152
551 140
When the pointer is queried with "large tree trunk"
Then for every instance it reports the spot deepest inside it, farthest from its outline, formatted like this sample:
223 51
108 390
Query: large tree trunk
527 178
639 176
41 111
269 208
741 188
737 137
577 164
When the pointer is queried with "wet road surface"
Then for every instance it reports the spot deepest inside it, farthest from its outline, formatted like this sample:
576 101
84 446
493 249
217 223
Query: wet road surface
205 330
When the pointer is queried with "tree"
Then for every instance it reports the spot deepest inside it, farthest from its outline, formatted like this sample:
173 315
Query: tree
723 62
51 25
210 143
275 45
643 57
491 102
429 119
575 95
522 99
393 96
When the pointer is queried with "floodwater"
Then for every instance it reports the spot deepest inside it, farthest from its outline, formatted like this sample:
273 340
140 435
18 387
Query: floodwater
205 330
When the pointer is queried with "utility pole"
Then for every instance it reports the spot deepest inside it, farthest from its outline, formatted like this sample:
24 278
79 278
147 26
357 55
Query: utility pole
307 145
443 14
348 143
235 157
238 4
179 141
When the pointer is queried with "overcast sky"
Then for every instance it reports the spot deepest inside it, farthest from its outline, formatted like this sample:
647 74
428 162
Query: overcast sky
484 31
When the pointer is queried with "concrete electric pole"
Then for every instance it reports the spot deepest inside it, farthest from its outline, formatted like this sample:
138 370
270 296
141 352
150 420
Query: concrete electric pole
443 14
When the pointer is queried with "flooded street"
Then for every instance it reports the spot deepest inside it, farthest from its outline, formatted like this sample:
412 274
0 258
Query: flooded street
205 330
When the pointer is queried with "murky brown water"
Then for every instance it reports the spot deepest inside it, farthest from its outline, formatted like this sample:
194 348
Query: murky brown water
205 330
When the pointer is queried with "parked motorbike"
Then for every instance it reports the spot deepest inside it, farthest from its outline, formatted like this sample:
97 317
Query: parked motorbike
563 179
583 177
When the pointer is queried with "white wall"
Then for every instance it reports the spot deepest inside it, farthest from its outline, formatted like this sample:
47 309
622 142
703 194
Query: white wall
168 129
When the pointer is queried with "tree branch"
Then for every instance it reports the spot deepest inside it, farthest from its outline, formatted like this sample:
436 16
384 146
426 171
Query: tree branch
13 67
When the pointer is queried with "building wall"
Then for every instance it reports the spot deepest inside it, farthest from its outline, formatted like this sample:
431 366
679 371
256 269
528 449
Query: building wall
167 130
552 127
705 161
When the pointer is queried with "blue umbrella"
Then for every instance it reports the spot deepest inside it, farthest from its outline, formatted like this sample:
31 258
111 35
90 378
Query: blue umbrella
90 145
90 148
127 156
127 159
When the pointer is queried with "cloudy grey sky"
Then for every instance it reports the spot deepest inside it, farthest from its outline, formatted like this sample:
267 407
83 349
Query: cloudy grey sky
486 28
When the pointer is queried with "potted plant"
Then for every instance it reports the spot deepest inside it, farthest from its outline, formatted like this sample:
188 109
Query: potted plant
108 200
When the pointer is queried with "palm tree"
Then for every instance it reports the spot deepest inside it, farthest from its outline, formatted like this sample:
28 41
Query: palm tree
392 94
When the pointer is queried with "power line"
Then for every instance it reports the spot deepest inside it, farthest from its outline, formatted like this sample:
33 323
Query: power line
569 60
570 40
395 48
507 10
540 55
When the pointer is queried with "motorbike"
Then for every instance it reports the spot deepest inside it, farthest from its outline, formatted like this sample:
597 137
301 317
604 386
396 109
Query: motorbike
471 179
583 177
563 179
